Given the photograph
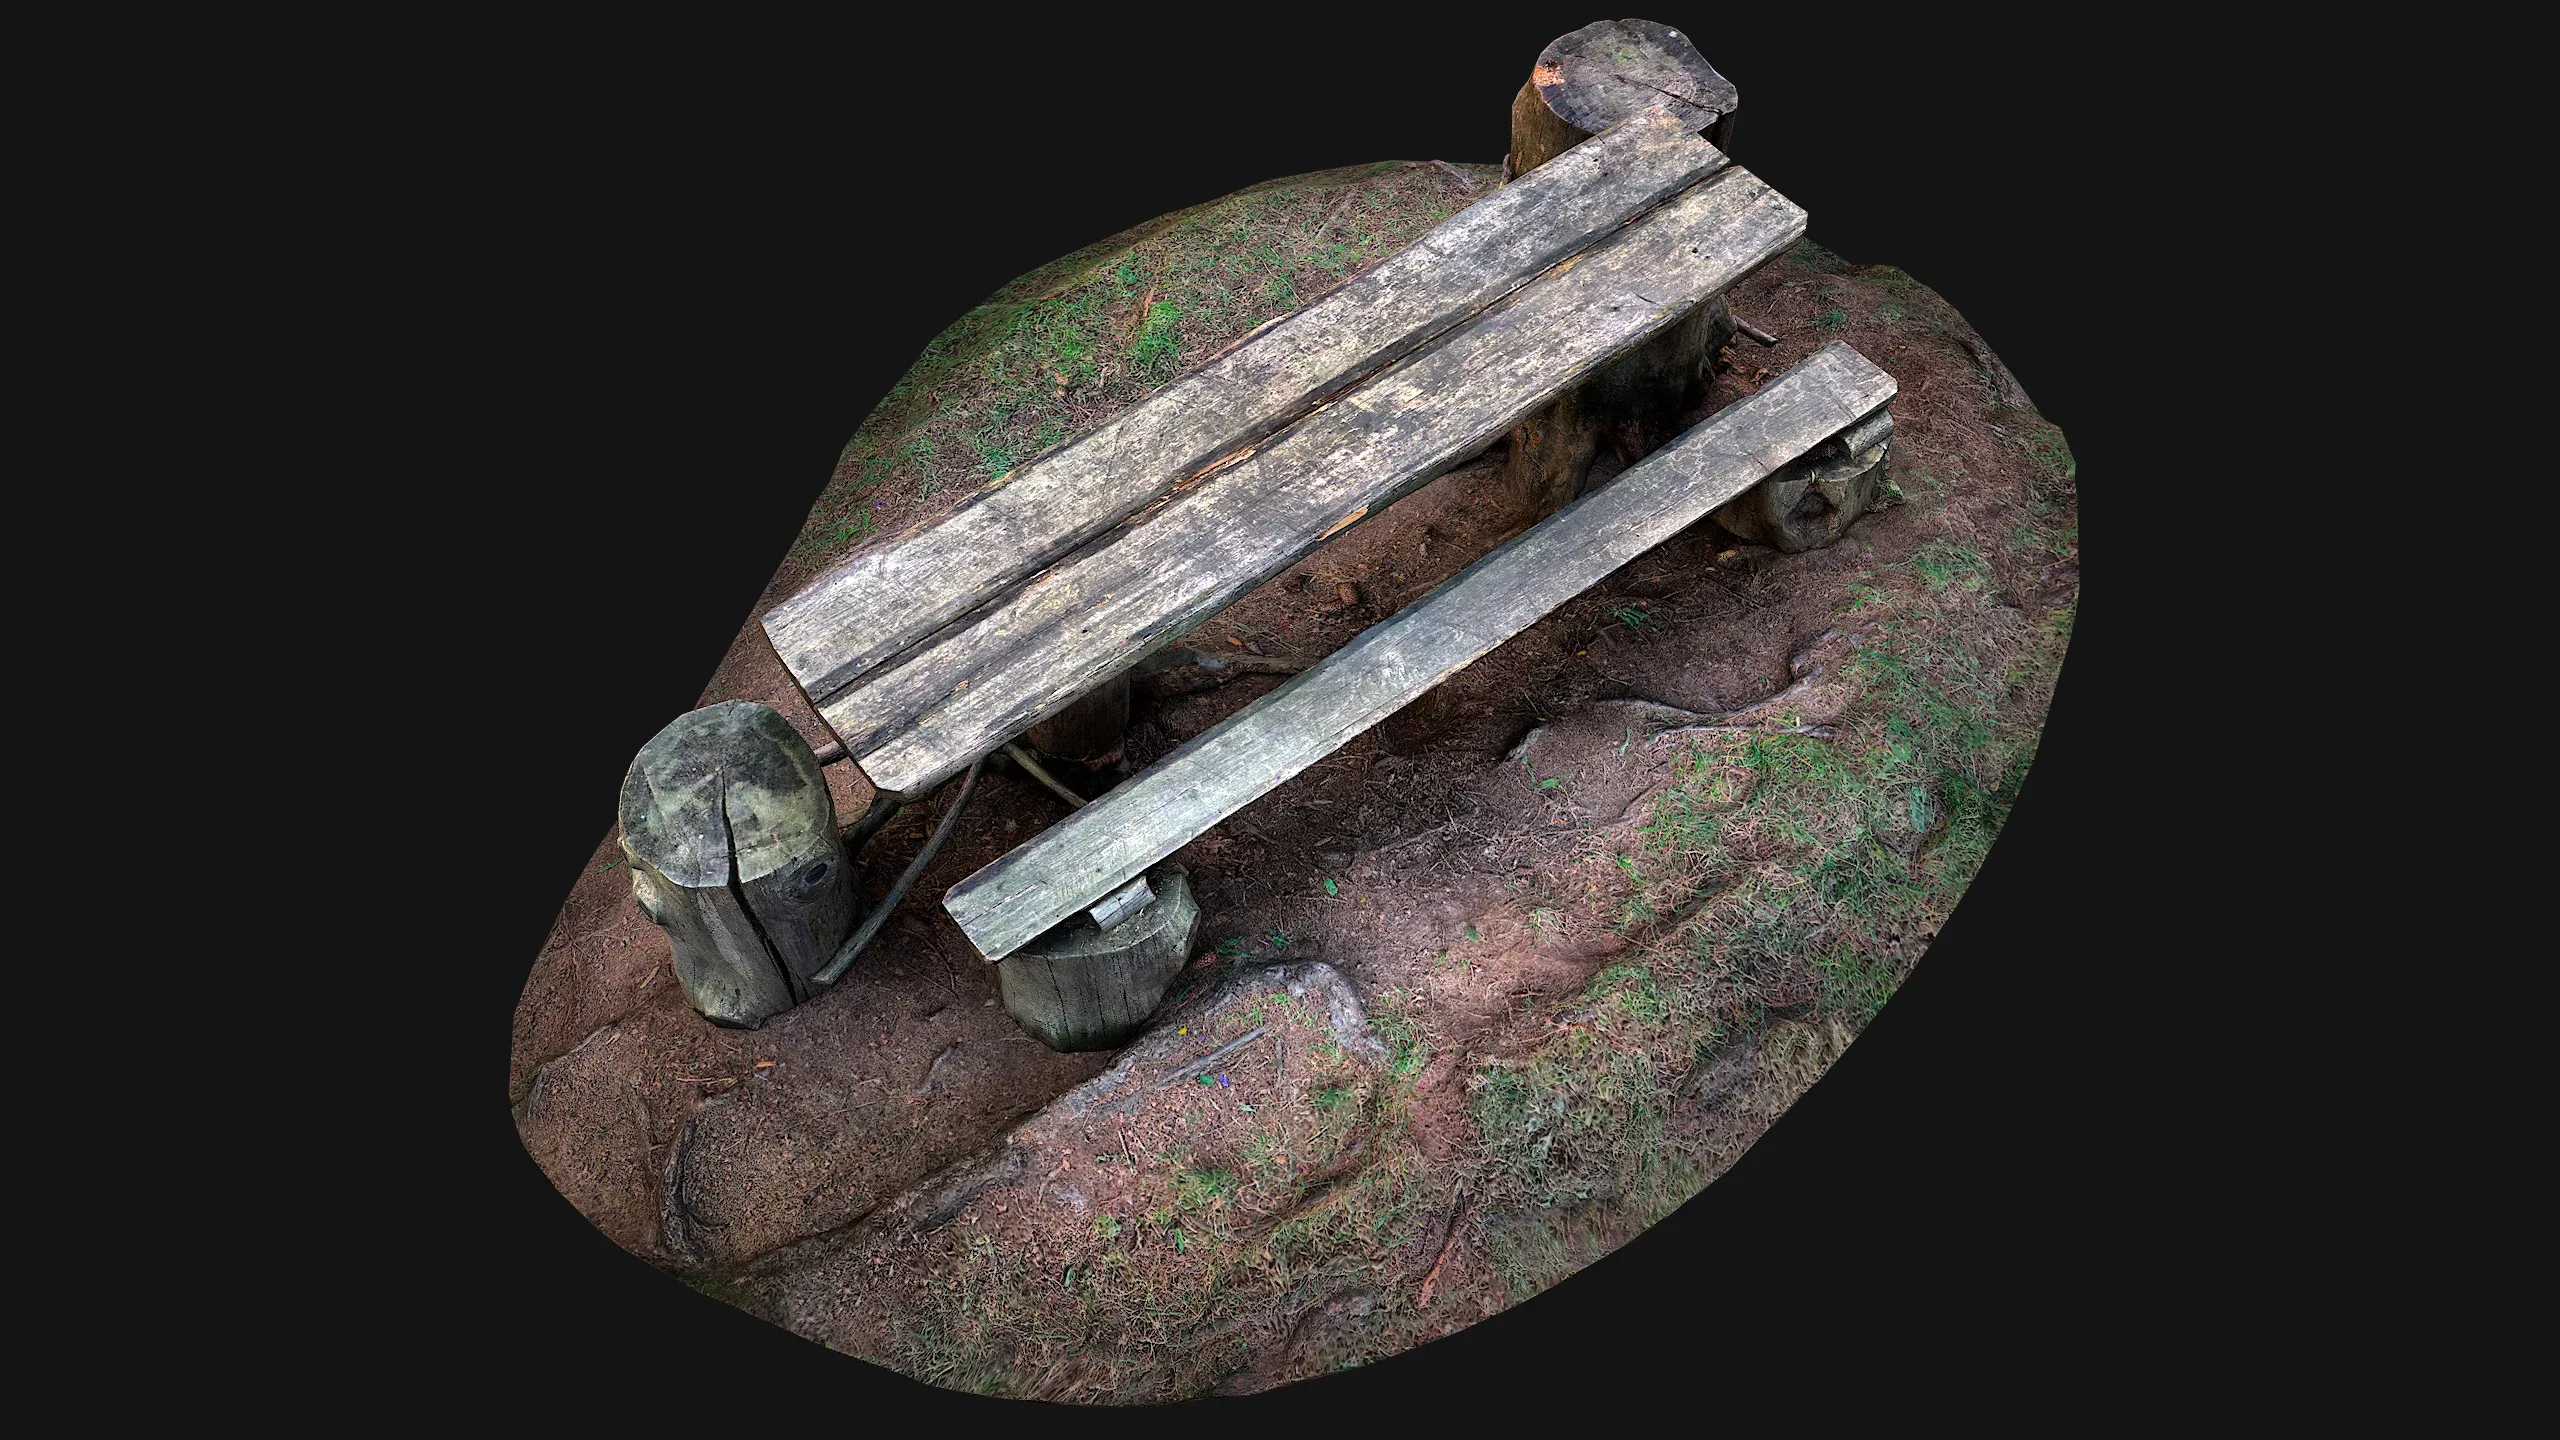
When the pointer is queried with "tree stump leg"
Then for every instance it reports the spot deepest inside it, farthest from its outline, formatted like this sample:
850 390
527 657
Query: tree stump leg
734 852
1584 83
1812 500
1081 987
1089 731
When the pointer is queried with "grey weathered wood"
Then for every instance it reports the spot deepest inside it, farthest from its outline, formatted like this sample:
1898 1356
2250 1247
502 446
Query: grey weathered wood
1583 83
898 591
1083 622
734 851
1056 874
1122 903
1810 502
1589 80
1089 728
1081 987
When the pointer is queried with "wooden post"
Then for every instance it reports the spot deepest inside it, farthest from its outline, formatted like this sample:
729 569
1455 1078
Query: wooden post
1081 987
1808 502
1089 730
1585 82
734 852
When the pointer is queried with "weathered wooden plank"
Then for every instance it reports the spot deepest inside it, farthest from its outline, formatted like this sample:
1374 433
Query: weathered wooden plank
1082 622
1008 903
895 593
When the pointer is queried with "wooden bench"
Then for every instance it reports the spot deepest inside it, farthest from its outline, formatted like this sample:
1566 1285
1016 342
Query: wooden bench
923 655
1108 843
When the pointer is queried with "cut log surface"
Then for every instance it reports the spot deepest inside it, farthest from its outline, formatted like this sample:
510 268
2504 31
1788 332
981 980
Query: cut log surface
1061 871
1085 621
734 851
896 593
1595 77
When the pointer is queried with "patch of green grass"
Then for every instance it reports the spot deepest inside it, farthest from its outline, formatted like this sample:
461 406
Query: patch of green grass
1832 319
1784 870
1541 920
1158 346
1854 981
1634 618
726 1291
1393 1018
1943 562
1330 1097
1194 1189
2057 543
1894 280
1266 1153
2042 440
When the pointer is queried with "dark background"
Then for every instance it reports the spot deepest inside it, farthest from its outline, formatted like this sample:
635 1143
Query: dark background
663 276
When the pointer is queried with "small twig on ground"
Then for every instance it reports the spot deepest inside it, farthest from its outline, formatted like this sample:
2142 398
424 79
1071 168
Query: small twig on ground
1144 305
935 1068
1668 710
1457 1208
640 1112
1818 732
853 947
1753 331
1187 1071
1348 195
1454 173
1033 768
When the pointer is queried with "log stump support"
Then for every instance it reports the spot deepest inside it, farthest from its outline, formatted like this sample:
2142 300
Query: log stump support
1090 729
734 852
1583 83
1811 500
1081 987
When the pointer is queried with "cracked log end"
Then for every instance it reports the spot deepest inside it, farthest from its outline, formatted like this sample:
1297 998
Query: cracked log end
735 854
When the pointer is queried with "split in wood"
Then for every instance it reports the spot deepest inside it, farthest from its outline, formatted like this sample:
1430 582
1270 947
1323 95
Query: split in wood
733 850
913 726
862 640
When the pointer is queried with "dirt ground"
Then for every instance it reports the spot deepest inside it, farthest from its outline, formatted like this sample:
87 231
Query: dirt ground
1514 973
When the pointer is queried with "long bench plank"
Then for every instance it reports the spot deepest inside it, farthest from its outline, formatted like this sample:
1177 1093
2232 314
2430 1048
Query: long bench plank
912 725
1235 762
894 594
